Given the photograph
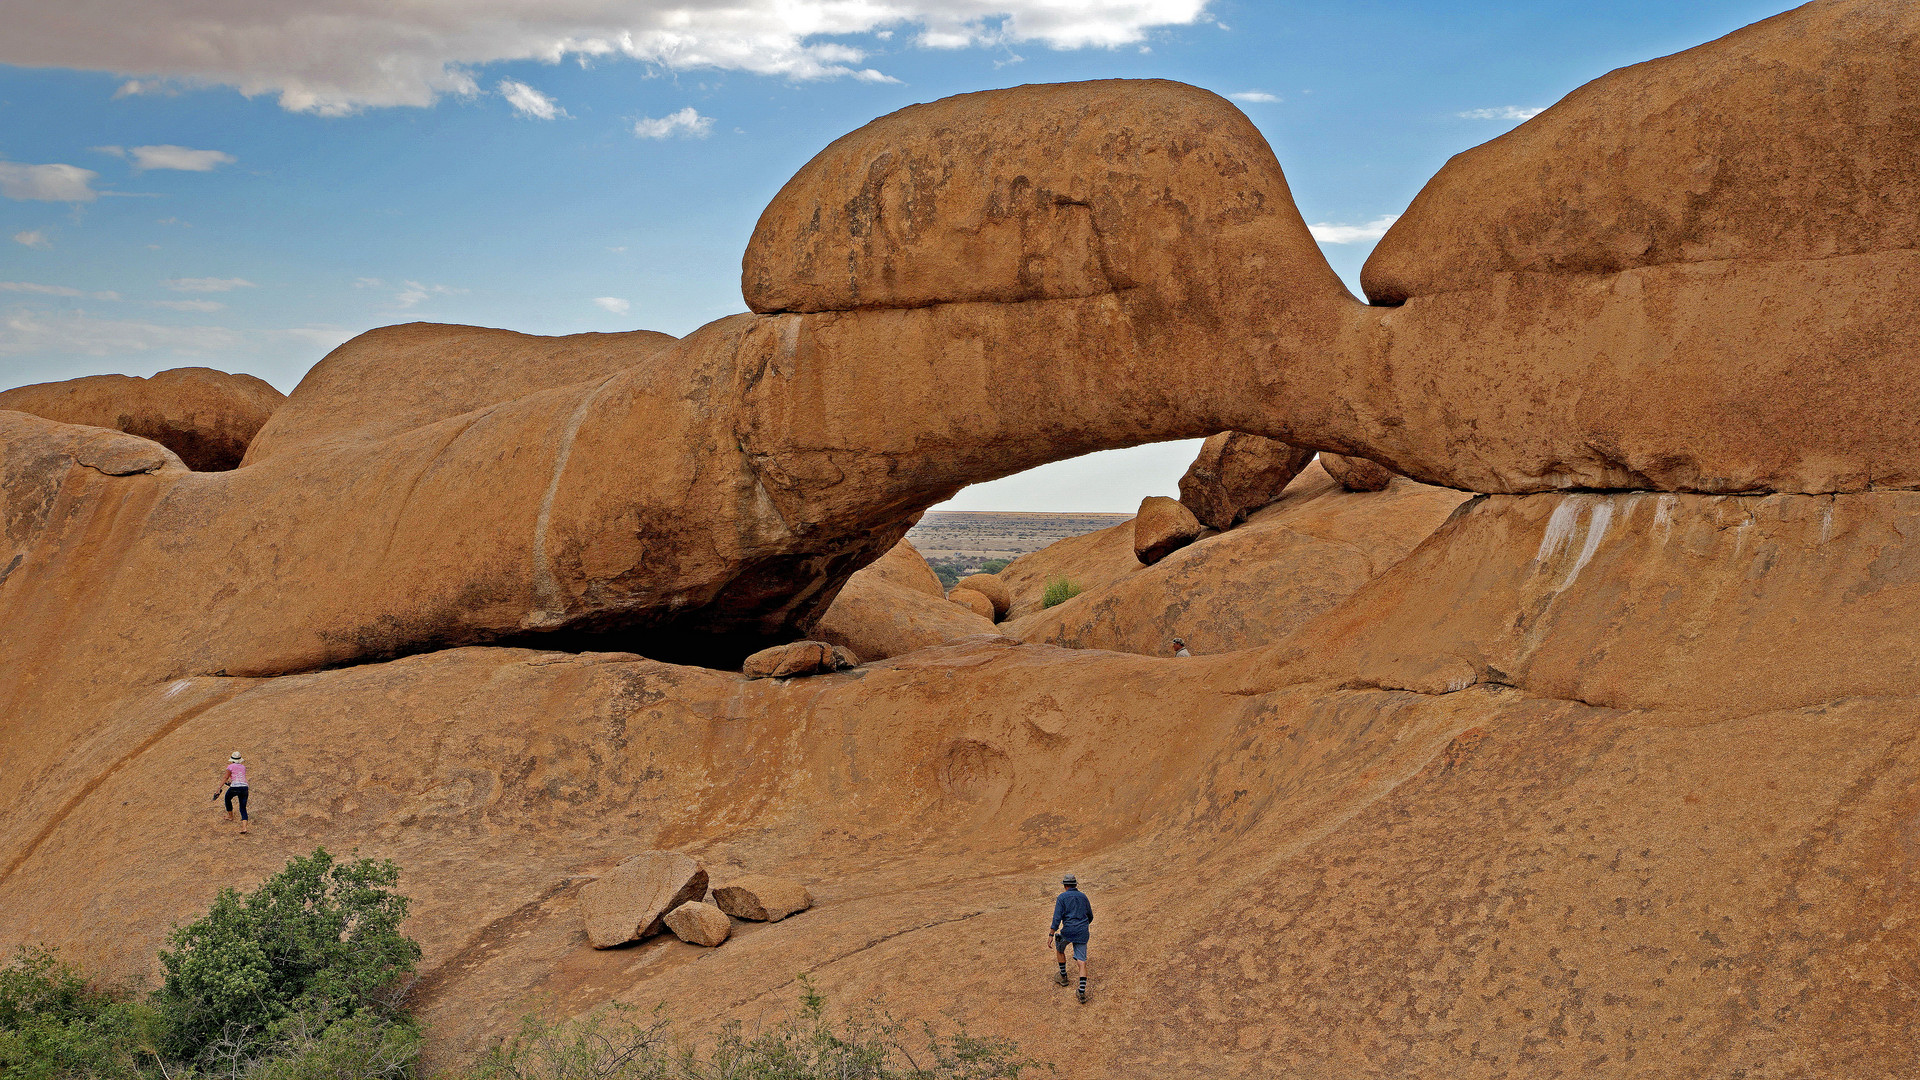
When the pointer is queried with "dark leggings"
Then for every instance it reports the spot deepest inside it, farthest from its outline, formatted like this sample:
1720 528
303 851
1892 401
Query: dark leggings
242 792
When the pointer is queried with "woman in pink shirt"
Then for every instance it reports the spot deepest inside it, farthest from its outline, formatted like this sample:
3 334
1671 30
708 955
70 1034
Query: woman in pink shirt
234 782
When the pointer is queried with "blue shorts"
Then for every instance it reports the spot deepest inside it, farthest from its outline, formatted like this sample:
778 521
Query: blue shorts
1079 948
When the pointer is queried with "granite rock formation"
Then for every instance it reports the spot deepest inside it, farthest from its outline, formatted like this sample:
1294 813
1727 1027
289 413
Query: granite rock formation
1252 586
896 605
1356 474
762 898
206 417
1614 773
1161 527
1235 474
699 923
974 601
631 900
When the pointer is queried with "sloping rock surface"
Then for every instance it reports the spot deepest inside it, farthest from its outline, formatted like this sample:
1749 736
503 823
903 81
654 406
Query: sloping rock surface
1255 584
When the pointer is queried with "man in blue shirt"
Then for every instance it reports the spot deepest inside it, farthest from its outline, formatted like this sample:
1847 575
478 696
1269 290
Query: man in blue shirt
1072 915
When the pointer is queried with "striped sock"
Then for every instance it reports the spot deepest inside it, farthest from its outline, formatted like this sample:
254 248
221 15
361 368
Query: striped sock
1063 969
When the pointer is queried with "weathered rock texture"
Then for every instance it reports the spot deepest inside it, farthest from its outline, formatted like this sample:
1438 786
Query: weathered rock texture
1249 587
896 605
796 659
1161 527
974 601
762 898
1236 474
629 902
206 417
699 924
1356 474
991 587
1609 785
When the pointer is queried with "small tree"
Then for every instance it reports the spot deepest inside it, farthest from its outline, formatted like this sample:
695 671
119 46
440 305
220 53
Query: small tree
316 943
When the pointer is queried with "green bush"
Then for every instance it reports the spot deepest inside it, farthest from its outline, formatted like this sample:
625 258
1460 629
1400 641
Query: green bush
316 943
615 1045
54 1024
1059 591
994 566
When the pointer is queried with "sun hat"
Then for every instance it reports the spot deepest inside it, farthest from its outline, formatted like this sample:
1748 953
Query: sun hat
235 756
1069 880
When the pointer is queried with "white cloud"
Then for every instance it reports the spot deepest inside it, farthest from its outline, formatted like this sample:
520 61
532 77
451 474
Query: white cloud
613 304
413 292
138 87
336 56
47 183
207 284
54 290
1259 97
1353 234
179 157
33 238
76 332
190 305
1504 112
529 102
686 121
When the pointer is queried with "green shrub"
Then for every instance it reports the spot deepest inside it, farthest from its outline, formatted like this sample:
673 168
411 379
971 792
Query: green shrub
316 943
994 566
615 1045
1059 591
55 1024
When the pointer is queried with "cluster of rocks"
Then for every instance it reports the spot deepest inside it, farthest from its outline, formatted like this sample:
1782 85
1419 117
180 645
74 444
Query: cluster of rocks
666 891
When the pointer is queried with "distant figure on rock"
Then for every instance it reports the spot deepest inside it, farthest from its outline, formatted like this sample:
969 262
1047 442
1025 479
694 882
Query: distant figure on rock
1180 647
234 782
1072 915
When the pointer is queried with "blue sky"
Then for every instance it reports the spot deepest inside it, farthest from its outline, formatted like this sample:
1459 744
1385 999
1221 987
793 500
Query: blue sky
244 191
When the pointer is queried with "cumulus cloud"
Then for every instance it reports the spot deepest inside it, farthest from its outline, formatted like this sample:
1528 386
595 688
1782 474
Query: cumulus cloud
54 290
1353 234
47 183
1259 97
685 122
1504 112
337 56
34 238
613 304
207 284
190 305
529 102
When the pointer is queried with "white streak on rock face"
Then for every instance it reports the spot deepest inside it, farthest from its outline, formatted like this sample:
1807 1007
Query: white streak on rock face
174 688
1826 522
1596 530
1663 516
1559 529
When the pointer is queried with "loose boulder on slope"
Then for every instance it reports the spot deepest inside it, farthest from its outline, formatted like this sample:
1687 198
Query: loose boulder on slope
630 901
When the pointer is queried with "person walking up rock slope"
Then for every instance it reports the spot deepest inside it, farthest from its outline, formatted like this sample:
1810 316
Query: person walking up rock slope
1072 916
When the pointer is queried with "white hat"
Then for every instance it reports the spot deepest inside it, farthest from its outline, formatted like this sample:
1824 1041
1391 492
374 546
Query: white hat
235 756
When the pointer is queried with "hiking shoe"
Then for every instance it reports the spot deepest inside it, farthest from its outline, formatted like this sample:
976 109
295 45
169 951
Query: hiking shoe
1083 995
1061 978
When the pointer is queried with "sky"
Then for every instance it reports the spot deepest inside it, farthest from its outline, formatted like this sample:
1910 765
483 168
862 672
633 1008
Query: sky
244 186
